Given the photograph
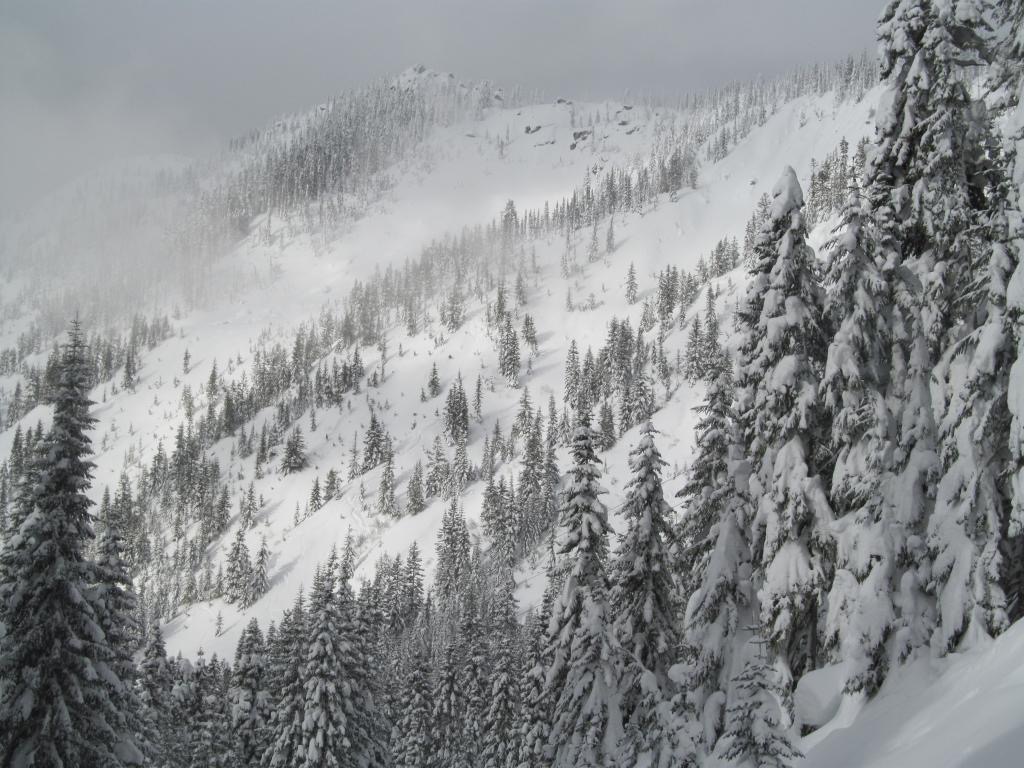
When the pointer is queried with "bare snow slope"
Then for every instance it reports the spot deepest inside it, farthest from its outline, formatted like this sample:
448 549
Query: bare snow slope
961 712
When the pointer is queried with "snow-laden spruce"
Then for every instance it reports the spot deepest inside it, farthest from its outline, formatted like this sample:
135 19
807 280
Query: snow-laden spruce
581 678
781 358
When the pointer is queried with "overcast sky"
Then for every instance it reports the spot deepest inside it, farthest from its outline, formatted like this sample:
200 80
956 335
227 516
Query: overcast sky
83 82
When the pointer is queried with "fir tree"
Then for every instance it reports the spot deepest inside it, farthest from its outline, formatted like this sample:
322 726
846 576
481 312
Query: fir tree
287 746
501 721
581 677
294 459
415 745
756 721
249 696
643 609
58 673
259 581
781 359
415 502
239 572
387 505
328 707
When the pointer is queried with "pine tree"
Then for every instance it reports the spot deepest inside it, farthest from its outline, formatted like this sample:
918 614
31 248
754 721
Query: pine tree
130 376
287 746
239 572
643 609
756 721
328 706
331 485
117 617
415 747
693 369
473 685
294 459
259 581
315 498
534 697
861 613
572 373
387 505
452 554
249 696
437 470
415 502
434 382
707 490
155 681
449 708
376 444
508 353
781 360
501 721
581 677
58 674
206 717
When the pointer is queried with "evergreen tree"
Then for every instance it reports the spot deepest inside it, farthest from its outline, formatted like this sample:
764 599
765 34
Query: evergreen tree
294 459
437 470
861 608
508 353
415 747
434 382
315 497
287 746
415 502
387 505
155 681
249 696
756 721
503 709
581 678
631 284
449 709
781 360
328 706
643 610
707 489
259 581
117 616
473 685
59 680
535 699
239 572
331 485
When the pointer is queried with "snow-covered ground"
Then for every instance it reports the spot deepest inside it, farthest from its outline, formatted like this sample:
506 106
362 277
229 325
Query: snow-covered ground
963 711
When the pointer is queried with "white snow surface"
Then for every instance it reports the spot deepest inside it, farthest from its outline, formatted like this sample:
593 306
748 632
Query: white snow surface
963 711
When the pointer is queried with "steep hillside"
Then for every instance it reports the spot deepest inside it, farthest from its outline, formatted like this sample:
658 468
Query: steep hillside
462 176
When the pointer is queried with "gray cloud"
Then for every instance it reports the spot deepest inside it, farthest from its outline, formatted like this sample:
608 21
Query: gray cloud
84 82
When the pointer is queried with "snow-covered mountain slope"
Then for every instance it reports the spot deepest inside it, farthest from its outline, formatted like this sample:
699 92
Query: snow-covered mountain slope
461 176
283 274
961 711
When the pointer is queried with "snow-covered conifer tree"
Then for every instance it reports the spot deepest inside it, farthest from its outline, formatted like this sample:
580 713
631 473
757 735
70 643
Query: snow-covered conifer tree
581 678
782 354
